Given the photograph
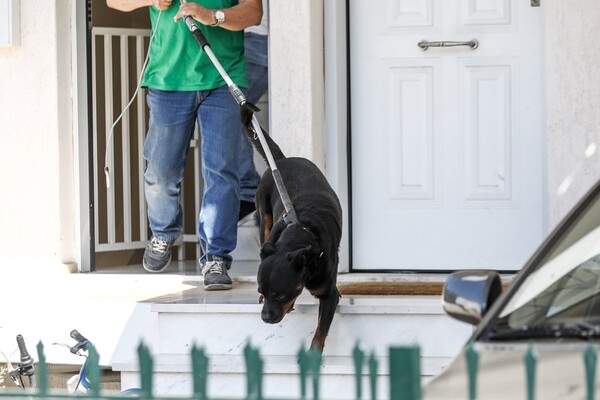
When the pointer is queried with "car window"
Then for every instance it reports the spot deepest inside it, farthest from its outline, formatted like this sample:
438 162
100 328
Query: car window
565 288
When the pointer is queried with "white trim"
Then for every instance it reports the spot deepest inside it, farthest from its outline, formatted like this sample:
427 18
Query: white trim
10 27
80 137
336 127
107 31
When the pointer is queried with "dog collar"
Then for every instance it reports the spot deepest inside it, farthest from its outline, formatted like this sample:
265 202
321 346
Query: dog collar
309 231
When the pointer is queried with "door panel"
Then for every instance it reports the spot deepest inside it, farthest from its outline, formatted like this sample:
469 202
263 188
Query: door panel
487 100
412 172
446 143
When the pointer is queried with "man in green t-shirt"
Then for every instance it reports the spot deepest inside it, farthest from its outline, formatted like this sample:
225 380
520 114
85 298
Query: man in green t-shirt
185 87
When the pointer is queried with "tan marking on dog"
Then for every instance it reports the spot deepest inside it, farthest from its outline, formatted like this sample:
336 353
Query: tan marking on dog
318 339
268 226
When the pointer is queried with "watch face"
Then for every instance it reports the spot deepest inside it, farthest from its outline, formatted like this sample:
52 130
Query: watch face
220 15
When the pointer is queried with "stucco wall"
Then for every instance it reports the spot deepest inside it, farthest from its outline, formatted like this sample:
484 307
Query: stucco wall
573 101
35 123
296 79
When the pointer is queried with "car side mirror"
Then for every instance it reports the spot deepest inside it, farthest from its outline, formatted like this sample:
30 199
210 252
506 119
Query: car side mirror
468 295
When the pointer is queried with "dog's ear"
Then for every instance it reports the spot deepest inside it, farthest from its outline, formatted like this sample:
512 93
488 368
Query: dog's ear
267 249
299 257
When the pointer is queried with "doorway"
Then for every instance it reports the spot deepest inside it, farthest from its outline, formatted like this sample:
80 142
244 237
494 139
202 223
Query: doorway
119 47
447 144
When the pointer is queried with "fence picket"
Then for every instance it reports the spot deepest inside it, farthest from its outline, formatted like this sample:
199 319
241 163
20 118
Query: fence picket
405 373
41 371
303 364
530 368
95 373
254 373
373 367
199 372
358 358
146 371
589 357
314 368
472 357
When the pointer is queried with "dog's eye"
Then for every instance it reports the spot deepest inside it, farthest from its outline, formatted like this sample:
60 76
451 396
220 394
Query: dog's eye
279 297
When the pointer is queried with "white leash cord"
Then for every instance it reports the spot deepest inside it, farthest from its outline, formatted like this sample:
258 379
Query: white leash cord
139 84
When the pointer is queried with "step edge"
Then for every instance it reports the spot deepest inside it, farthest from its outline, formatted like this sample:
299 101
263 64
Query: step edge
347 309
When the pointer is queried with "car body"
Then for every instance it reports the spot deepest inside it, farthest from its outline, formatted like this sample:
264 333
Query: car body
550 312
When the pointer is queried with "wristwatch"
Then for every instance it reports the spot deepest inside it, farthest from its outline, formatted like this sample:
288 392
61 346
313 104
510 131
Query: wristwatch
219 17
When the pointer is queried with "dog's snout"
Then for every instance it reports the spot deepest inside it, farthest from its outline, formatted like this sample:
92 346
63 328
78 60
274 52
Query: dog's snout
267 316
270 317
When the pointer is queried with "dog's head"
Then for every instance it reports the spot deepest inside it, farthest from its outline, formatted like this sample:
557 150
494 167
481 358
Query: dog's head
282 274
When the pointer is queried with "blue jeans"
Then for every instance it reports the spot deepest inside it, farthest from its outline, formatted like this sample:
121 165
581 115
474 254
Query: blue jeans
258 81
172 119
256 49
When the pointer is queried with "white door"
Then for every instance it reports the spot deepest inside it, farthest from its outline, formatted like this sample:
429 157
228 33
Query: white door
446 143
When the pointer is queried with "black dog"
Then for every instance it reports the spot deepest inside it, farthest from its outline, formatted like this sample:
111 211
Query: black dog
299 255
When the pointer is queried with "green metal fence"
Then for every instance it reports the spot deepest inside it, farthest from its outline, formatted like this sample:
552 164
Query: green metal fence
404 375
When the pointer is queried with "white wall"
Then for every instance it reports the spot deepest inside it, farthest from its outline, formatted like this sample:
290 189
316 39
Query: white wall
35 125
296 80
307 68
572 101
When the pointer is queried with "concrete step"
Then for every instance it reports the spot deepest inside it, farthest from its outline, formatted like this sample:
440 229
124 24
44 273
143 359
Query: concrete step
227 376
224 325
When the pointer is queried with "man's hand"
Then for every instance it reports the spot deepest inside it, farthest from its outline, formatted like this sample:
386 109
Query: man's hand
196 11
244 14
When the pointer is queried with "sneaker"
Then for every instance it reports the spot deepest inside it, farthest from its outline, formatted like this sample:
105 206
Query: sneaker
215 275
157 255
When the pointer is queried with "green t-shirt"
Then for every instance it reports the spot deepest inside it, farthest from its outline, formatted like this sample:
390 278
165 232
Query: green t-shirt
178 63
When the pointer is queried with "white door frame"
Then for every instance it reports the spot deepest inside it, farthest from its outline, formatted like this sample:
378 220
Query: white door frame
83 221
336 115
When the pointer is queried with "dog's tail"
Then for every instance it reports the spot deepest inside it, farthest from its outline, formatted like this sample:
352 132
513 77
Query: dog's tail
246 111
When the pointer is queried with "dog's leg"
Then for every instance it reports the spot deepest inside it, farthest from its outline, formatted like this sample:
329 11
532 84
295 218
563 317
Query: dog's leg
327 305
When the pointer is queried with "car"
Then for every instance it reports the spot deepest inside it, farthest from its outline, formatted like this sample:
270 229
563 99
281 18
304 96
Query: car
548 313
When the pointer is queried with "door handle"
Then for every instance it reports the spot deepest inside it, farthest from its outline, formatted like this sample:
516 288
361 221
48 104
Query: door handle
424 44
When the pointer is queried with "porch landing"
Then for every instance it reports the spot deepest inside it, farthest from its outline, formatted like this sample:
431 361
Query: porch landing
117 308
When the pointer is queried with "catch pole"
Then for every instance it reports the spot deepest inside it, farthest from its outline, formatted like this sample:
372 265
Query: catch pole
290 216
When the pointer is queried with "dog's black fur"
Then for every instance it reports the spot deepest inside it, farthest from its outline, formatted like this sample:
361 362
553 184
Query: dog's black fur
296 256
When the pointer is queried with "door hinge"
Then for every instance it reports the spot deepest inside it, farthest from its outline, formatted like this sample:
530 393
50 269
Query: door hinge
535 3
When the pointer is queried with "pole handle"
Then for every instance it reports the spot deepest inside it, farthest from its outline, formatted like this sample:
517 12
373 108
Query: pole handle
200 38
